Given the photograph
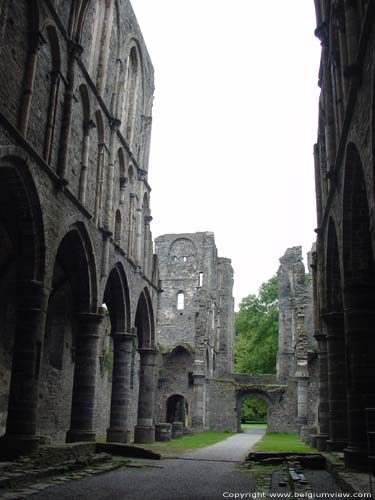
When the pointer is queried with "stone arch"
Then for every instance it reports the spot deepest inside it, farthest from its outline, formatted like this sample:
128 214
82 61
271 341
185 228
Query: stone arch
117 298
49 151
183 346
132 105
182 256
76 248
250 393
177 409
22 265
73 296
20 204
144 321
359 302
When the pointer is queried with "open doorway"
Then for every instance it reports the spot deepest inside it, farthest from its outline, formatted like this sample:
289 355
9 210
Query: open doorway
177 410
252 413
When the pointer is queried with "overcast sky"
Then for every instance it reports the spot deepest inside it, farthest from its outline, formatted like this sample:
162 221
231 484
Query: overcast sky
234 123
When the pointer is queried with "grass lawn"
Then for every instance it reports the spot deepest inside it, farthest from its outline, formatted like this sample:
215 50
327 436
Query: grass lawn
253 426
187 443
278 441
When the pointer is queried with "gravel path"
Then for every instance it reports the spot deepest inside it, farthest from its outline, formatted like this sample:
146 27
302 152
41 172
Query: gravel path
205 474
233 449
169 480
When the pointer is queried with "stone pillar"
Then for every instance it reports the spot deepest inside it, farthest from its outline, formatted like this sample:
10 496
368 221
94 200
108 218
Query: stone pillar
323 409
118 431
138 236
144 431
334 325
302 380
352 24
163 432
20 436
360 344
85 370
199 396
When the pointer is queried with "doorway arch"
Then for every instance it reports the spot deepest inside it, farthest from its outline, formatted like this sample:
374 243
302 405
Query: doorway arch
177 409
242 396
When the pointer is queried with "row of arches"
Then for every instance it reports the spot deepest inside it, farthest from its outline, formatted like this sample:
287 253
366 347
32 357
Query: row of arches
347 317
54 313
339 27
97 144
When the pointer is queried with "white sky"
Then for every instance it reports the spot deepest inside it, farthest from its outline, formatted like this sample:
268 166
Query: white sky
234 123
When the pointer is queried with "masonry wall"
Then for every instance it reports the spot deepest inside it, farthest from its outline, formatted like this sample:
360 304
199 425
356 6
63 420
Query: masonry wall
75 125
195 320
222 407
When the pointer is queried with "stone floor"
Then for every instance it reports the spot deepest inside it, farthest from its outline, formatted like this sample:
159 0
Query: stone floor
214 472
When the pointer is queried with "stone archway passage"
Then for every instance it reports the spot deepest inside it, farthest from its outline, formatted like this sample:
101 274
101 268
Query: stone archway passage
144 431
23 297
177 409
246 394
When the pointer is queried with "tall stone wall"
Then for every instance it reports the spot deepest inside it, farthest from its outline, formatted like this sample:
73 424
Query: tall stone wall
296 358
78 273
227 395
195 320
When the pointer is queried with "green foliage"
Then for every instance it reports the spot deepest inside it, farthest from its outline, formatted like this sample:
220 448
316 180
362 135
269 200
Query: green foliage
108 360
256 331
254 410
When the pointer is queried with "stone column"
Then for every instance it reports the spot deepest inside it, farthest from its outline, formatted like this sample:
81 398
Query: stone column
302 379
118 431
334 326
360 345
352 36
323 409
144 431
85 370
139 236
20 436
199 396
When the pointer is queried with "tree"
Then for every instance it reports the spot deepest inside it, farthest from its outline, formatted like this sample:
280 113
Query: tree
254 410
256 331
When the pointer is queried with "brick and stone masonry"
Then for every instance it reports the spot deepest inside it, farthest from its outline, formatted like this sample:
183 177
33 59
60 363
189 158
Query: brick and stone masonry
78 286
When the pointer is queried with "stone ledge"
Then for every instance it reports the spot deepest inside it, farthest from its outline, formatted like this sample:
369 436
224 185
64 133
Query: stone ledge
126 451
349 480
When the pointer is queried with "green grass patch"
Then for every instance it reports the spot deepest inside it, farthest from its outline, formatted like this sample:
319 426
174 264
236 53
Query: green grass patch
187 443
278 441
253 426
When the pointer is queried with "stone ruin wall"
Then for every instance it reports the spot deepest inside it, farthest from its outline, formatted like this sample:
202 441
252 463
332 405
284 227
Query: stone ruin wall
297 358
196 341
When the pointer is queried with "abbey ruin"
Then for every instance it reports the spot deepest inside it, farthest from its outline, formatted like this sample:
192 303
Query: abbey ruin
105 333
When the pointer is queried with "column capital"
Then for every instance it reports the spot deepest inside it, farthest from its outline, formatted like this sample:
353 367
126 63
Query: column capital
125 339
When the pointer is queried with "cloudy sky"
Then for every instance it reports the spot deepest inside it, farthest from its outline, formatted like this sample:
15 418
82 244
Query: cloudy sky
235 120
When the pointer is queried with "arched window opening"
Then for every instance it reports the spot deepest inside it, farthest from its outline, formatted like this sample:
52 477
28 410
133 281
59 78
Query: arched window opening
131 94
118 228
131 174
200 280
122 177
180 301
